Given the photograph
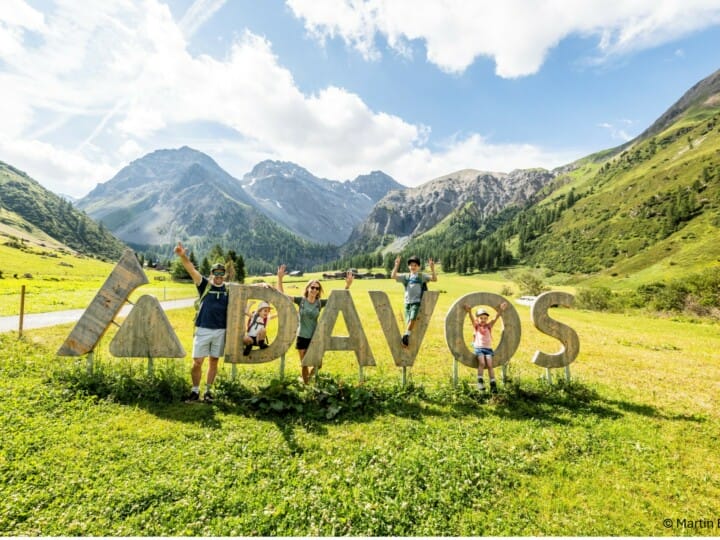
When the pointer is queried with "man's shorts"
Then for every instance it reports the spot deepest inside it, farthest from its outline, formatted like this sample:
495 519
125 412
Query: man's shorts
483 351
302 343
411 311
208 342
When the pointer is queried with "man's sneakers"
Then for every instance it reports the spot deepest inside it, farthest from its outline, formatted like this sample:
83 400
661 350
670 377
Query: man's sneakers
406 340
247 349
194 397
481 386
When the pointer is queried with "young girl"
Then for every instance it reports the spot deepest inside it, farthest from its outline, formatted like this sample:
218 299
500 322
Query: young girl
309 306
482 343
257 328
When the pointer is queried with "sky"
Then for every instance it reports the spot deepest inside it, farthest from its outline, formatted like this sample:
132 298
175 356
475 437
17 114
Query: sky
415 88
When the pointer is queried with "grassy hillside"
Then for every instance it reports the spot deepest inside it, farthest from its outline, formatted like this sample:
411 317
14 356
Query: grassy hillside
654 206
26 205
629 444
617 219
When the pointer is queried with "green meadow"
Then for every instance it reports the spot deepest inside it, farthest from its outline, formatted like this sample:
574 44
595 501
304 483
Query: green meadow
627 447
56 281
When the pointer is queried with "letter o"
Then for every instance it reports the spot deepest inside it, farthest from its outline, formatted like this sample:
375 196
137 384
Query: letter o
455 320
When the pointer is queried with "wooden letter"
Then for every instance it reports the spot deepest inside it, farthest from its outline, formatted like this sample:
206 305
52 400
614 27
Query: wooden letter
236 325
566 335
323 340
125 277
457 318
146 333
403 356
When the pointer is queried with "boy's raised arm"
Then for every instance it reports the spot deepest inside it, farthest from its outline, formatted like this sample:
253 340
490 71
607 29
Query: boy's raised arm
394 273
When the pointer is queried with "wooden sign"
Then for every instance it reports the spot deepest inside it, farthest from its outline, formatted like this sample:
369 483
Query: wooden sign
146 333
339 301
236 324
457 318
125 278
403 356
566 335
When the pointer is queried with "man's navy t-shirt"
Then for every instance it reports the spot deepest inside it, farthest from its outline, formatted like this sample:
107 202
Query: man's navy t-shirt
213 311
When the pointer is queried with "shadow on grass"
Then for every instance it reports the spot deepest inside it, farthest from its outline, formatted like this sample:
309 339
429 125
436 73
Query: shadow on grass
291 405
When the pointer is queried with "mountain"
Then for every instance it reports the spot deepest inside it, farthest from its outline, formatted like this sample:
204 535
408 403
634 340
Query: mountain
29 211
705 93
652 210
183 195
402 215
317 209
165 194
622 218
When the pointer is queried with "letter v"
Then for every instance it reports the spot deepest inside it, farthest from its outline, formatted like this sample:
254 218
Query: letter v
403 356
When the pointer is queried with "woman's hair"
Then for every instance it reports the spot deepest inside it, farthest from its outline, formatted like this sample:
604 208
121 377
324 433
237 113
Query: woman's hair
307 288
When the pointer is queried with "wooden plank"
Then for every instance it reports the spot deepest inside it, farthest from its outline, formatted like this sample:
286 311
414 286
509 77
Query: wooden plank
403 356
567 336
146 333
125 278
457 319
236 324
339 301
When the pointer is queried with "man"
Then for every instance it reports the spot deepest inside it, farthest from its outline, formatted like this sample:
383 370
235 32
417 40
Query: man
210 323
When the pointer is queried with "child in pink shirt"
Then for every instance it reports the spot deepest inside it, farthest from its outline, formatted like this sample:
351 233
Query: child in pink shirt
482 343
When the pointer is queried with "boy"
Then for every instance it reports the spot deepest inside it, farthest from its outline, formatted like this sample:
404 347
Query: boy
257 328
482 343
415 285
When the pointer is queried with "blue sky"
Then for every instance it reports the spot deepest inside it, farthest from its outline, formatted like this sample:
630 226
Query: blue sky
416 88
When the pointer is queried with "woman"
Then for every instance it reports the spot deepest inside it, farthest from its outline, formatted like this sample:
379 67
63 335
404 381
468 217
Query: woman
309 304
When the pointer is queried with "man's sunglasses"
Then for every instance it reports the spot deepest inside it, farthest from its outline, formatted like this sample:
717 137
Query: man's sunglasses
218 273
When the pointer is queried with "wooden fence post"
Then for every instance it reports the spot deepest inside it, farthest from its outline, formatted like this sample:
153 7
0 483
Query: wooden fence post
22 310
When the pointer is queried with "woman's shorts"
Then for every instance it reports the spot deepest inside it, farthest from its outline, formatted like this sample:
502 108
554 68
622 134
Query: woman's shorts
302 343
483 351
208 342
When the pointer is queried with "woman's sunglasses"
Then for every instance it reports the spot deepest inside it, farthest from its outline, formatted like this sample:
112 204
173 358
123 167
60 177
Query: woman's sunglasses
314 287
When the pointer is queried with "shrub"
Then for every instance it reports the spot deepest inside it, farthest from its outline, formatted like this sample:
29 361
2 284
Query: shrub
595 298
530 283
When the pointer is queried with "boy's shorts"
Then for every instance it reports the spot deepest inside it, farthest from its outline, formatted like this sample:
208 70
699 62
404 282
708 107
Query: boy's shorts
411 311
208 342
484 351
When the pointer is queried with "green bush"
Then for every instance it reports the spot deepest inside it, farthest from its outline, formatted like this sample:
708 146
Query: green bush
595 299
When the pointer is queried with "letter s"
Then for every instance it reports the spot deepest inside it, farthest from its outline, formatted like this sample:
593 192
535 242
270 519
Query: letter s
566 335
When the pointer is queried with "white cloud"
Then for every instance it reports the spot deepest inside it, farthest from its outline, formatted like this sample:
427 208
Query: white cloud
198 14
516 34
618 132
101 83
61 170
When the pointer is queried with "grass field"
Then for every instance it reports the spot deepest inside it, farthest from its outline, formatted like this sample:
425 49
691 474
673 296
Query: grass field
631 442
57 281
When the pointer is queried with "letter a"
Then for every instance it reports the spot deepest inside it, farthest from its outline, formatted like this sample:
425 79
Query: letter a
323 340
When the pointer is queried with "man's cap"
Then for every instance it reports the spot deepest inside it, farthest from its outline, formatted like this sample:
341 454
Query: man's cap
263 305
481 311
217 266
414 259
